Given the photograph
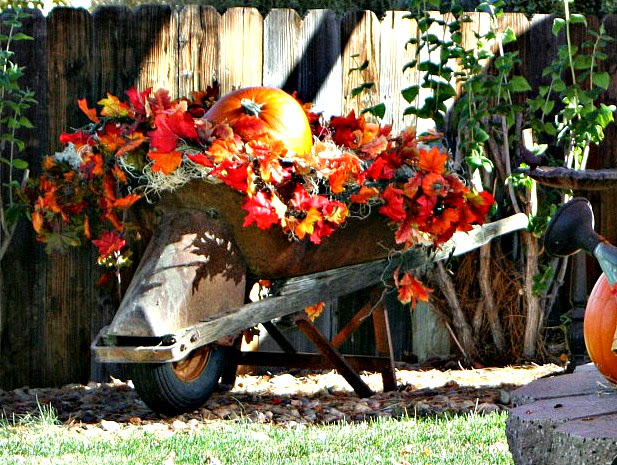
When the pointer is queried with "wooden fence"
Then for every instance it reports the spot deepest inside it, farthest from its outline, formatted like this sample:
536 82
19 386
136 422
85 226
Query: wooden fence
50 305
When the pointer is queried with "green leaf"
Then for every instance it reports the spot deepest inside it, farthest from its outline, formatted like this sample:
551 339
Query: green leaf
576 18
410 93
550 129
378 110
602 79
558 24
519 84
508 36
411 64
22 36
20 164
548 106
480 135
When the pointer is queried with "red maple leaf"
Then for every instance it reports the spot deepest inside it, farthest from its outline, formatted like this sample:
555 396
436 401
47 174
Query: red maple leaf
171 128
346 130
250 127
260 211
138 100
108 243
394 207
78 138
233 174
201 159
161 101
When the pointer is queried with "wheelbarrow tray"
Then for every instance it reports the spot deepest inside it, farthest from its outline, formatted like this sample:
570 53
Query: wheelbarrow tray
187 321
270 253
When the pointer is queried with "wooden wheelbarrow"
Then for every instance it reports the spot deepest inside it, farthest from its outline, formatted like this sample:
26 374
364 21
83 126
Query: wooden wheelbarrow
186 303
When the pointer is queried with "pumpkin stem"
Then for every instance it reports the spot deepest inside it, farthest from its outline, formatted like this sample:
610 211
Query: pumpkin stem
251 108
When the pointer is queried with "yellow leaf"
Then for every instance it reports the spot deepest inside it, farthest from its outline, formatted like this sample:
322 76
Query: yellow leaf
113 107
307 225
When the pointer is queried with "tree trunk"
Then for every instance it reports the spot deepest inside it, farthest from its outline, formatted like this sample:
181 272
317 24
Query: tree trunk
492 312
534 309
461 326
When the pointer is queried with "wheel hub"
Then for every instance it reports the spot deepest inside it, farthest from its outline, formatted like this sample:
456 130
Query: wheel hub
191 367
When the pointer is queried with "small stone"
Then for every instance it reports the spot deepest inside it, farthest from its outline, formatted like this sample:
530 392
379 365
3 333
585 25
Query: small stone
504 397
110 426
487 408
179 425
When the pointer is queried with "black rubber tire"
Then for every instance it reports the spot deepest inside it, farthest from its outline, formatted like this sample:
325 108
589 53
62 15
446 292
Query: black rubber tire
165 392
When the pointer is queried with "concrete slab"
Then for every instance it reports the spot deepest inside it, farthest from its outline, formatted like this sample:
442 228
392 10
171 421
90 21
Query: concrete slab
585 380
565 419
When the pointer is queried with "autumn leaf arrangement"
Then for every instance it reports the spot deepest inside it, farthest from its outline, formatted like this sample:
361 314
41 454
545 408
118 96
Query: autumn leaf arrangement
149 143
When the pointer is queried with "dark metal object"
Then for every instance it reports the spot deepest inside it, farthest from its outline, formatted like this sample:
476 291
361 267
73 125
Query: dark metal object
571 229
564 178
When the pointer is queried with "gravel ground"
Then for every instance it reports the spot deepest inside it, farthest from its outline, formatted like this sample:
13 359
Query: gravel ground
282 399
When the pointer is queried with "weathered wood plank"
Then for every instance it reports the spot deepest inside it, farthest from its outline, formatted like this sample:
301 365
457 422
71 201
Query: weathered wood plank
199 48
114 53
70 278
361 35
395 32
282 29
22 309
241 56
114 71
318 74
156 48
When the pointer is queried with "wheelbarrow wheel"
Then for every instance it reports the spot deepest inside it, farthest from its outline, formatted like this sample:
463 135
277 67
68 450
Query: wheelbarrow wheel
179 387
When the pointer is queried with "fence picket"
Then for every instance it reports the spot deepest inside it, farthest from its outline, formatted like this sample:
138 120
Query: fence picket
198 57
241 57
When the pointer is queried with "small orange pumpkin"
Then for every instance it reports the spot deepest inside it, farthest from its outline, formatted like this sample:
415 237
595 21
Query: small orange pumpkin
282 113
599 328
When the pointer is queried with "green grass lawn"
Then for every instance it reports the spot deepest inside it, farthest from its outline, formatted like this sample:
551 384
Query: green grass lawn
457 440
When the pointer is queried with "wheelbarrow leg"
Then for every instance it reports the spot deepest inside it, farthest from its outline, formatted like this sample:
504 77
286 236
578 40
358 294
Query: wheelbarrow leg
333 355
230 370
383 341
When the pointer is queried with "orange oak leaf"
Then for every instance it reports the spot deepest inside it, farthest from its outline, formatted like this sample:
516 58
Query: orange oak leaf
113 107
364 195
89 112
37 221
134 141
127 201
165 162
432 161
314 311
410 290
87 231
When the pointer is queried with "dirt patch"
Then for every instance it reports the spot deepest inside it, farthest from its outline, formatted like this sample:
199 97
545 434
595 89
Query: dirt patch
282 399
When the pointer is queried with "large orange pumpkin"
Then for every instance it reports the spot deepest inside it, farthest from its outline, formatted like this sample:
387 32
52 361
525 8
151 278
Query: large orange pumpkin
599 328
279 110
